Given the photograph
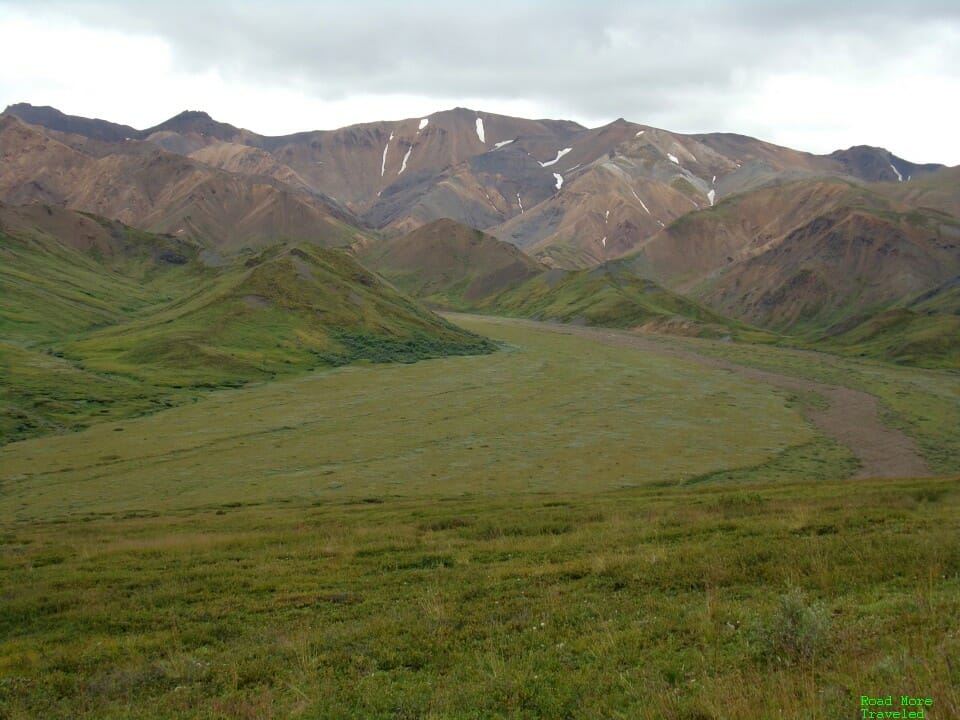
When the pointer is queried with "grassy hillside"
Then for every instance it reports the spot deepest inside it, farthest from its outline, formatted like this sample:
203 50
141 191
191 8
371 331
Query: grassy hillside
771 601
537 417
924 331
449 265
65 274
288 308
612 296
924 403
102 321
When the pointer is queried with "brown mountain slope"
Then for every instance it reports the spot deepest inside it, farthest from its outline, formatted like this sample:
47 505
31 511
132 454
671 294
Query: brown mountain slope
246 160
650 176
53 119
600 214
805 256
841 264
76 230
494 172
700 245
939 191
162 192
358 164
450 265
502 187
192 130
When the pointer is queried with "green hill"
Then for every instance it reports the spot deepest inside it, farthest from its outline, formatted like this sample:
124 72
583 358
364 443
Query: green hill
100 321
610 295
283 309
450 265
923 332
65 272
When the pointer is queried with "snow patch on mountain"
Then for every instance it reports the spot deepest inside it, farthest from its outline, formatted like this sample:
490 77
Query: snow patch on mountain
899 176
383 163
480 130
520 203
423 123
673 158
640 201
711 195
604 241
606 216
502 143
560 154
406 157
559 179
573 168
639 133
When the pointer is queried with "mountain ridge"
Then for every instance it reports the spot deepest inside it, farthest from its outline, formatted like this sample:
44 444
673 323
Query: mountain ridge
769 236
488 170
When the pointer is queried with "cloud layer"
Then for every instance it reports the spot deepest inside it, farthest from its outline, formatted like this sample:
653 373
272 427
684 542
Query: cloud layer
812 75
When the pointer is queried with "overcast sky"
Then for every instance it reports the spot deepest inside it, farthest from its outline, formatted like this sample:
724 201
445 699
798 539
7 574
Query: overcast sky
812 75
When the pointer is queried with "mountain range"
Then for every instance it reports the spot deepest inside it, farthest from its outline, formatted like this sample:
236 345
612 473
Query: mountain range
625 224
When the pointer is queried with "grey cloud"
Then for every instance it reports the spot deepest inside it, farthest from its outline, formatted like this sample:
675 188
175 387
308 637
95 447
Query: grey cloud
677 64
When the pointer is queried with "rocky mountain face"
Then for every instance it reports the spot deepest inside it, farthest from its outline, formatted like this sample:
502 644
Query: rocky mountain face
150 188
570 195
804 256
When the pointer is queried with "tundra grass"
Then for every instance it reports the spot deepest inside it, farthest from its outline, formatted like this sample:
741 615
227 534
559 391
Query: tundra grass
552 413
786 601
924 403
42 393
509 535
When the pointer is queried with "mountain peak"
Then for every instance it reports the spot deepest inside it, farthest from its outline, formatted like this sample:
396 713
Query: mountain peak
195 121
13 108
189 115
878 164
50 117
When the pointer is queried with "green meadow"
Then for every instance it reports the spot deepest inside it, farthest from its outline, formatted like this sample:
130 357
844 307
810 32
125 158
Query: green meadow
559 529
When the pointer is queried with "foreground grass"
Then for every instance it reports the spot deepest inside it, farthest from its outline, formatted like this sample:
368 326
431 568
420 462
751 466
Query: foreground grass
669 603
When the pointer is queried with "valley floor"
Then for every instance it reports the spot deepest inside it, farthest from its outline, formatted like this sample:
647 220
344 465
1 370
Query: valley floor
564 528
851 417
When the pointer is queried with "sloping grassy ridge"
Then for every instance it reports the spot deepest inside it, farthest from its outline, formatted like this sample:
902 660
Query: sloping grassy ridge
116 322
612 296
284 309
